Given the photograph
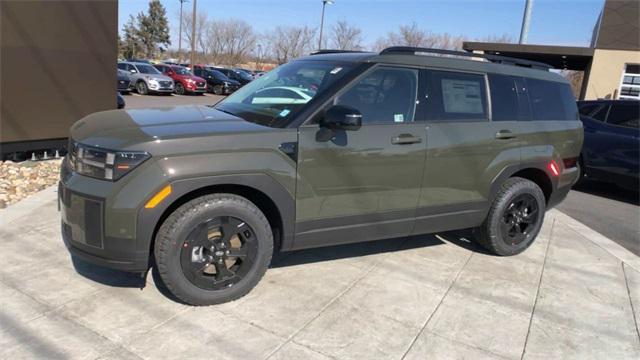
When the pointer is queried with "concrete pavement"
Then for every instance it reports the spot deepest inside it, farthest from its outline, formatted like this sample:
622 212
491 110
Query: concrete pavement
571 295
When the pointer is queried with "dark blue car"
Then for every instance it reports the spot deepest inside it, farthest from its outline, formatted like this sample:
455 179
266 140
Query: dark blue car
611 150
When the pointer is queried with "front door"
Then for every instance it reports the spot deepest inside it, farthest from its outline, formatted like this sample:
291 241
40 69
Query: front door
363 184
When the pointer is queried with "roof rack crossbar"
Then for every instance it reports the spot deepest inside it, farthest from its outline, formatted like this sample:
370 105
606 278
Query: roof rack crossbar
335 51
491 57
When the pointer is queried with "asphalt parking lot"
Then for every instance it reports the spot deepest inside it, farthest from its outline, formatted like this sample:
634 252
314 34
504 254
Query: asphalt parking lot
135 101
573 294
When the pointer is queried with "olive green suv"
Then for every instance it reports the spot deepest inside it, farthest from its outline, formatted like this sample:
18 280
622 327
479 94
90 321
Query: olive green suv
333 148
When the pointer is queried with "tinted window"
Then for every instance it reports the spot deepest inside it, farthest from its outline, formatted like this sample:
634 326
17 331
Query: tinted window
626 115
122 66
587 109
147 69
600 113
385 95
504 98
456 96
551 100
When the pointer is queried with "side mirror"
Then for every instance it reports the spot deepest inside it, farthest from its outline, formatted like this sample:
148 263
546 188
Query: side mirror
132 71
340 117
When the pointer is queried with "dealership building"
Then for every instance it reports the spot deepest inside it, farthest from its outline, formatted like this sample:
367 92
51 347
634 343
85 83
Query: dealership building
611 64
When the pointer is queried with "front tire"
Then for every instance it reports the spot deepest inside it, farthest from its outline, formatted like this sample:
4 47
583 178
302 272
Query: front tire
179 89
217 89
142 88
515 218
213 249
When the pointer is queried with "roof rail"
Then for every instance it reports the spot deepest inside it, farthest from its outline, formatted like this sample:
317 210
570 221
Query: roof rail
335 51
493 58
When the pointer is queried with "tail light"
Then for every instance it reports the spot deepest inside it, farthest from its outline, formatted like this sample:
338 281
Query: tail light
553 168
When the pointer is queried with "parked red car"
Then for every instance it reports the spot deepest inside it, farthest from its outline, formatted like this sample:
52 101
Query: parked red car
185 81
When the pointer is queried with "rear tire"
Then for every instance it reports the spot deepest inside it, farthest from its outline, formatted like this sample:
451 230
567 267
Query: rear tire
515 218
194 249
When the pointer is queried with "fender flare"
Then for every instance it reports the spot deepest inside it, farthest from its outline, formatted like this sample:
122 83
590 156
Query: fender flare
148 219
510 170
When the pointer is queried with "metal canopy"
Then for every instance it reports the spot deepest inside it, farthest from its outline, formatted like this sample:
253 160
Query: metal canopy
560 57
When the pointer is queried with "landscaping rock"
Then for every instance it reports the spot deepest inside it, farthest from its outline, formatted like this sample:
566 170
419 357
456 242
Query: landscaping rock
19 180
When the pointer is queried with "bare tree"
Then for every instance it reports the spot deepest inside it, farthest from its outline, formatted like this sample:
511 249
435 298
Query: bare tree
230 41
346 37
286 43
412 35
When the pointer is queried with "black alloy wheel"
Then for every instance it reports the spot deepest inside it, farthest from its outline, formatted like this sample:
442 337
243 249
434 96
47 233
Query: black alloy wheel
217 89
218 253
514 219
519 219
213 249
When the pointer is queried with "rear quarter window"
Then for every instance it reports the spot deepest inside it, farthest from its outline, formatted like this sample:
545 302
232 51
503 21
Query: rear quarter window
551 100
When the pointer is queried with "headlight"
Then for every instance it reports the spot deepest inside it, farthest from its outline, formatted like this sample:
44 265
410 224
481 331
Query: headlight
153 81
227 83
103 164
191 81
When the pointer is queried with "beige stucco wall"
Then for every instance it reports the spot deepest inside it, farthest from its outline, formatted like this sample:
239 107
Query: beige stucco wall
606 72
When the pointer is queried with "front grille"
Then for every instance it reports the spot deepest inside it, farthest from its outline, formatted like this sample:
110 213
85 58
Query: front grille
166 84
200 84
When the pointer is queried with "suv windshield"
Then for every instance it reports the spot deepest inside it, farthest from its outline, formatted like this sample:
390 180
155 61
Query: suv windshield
147 69
180 70
274 98
243 74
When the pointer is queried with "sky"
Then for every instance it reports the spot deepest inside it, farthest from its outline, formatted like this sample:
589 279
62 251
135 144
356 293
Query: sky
553 22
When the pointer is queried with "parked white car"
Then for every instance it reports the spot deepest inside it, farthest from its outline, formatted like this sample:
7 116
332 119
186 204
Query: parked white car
145 78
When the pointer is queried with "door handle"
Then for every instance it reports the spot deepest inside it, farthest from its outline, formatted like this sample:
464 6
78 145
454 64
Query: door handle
405 139
505 134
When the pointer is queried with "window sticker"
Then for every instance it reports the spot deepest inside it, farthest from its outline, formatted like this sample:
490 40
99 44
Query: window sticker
336 70
398 118
284 112
462 96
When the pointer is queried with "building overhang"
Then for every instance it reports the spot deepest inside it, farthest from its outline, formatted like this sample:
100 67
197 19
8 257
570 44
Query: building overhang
559 57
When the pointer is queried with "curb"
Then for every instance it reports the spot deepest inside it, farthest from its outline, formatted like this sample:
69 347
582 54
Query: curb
600 240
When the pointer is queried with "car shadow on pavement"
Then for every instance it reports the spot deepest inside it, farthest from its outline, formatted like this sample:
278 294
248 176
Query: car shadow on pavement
461 238
609 191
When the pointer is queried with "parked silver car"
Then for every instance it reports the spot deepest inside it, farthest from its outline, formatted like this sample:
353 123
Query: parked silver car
146 79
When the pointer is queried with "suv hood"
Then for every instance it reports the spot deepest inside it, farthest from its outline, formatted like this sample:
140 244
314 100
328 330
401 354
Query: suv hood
149 129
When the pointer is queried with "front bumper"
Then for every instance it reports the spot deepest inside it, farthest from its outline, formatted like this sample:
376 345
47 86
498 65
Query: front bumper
82 227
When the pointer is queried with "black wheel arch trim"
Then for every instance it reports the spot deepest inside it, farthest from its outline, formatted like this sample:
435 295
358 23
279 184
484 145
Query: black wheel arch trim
149 219
511 170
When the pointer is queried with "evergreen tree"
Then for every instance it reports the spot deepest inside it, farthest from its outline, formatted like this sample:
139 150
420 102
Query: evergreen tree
130 45
153 28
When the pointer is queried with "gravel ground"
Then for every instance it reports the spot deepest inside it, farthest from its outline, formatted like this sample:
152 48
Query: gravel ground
19 180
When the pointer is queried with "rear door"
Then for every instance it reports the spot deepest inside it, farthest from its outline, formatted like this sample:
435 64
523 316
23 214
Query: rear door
466 149
363 184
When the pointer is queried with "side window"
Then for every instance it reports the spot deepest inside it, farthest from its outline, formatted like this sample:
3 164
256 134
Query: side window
551 100
627 115
456 96
122 66
587 109
383 96
131 67
504 98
